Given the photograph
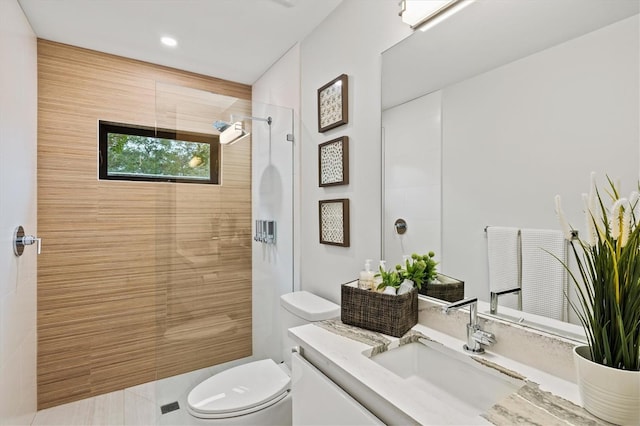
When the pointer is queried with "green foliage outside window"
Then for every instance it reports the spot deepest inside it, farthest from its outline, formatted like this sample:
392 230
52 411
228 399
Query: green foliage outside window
141 155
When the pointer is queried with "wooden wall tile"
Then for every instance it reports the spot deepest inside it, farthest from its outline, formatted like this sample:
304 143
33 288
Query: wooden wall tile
137 281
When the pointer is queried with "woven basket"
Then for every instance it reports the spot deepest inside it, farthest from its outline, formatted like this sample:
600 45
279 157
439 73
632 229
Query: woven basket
384 313
450 289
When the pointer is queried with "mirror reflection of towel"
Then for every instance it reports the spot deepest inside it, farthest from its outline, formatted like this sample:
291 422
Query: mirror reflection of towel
503 250
543 276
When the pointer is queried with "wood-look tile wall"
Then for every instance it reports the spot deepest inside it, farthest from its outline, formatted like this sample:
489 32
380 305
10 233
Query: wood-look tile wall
136 280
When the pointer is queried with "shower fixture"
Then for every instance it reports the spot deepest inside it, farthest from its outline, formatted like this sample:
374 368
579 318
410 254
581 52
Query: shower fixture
232 133
267 120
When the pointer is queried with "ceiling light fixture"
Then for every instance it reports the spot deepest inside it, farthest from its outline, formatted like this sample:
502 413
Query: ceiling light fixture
169 41
417 12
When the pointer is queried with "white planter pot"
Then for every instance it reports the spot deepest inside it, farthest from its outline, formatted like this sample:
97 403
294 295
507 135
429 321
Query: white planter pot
608 393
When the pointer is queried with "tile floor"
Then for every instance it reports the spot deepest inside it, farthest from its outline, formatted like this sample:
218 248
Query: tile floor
135 406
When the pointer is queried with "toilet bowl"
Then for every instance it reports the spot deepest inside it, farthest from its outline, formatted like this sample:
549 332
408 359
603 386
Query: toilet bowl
259 392
239 390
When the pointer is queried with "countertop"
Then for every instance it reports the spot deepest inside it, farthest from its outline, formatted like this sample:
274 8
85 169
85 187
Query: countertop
341 352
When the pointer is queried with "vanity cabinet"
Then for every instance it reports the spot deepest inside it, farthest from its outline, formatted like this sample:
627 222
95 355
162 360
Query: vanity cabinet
317 400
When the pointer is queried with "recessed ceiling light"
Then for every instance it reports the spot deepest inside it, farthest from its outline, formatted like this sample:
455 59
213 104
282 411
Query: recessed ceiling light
169 41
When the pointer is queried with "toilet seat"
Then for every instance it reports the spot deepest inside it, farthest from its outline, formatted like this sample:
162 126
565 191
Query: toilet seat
239 390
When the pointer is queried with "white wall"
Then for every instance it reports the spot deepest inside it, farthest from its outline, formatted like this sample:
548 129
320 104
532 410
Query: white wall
18 136
276 93
412 134
349 41
516 136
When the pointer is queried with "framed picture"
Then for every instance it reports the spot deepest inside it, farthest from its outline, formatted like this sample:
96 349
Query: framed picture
333 104
334 222
333 162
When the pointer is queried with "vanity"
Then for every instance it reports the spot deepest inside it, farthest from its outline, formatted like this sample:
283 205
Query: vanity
425 376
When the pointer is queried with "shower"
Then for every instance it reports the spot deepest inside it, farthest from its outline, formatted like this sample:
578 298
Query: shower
231 133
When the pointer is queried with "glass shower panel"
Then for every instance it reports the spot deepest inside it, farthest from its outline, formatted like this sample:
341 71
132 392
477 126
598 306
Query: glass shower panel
203 250
273 267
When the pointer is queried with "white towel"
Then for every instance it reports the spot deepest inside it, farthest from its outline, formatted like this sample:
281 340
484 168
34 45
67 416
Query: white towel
503 249
543 276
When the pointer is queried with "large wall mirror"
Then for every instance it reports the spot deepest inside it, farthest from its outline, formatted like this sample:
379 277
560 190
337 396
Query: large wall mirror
492 112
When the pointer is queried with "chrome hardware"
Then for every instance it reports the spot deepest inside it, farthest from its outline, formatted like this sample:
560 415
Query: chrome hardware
20 240
494 298
475 336
484 338
401 226
271 232
289 137
265 231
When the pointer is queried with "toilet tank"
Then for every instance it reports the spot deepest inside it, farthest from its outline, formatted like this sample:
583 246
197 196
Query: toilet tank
299 308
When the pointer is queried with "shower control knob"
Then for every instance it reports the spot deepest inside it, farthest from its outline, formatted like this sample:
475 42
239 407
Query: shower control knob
20 240
27 240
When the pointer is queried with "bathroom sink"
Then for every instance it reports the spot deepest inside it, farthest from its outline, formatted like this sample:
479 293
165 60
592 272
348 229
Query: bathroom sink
456 379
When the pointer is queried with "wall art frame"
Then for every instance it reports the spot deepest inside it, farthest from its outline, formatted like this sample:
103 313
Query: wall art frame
334 222
333 103
333 162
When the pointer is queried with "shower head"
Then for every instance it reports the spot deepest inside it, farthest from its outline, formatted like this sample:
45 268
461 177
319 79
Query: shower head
220 125
232 134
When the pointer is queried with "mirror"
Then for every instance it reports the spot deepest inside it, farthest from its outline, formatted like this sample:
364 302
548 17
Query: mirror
492 112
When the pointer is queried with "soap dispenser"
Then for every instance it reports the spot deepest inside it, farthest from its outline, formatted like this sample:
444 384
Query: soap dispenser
377 280
366 277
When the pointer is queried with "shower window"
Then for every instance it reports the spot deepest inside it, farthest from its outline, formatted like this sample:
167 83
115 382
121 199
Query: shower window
131 152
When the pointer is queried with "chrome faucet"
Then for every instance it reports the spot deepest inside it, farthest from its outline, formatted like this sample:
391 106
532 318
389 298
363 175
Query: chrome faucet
475 336
494 297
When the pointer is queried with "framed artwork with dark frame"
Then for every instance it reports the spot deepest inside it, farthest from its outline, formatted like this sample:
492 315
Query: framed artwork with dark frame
333 104
333 162
334 222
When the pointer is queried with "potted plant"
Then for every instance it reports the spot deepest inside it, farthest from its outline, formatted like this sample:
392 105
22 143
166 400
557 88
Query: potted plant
388 312
607 283
389 279
418 269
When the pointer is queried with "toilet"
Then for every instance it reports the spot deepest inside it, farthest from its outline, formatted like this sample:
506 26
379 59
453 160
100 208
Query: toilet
259 392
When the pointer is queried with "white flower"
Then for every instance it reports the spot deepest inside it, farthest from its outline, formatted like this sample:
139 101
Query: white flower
626 223
595 209
566 229
592 233
617 222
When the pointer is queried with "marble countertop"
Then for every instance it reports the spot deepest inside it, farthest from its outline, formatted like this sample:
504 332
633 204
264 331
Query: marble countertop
340 351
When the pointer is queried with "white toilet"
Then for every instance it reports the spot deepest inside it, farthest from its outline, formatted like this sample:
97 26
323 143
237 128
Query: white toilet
259 392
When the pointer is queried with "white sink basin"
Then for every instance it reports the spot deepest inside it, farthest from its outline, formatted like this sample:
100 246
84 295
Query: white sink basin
456 379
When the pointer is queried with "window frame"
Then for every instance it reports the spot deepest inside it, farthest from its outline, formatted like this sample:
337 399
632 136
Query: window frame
106 127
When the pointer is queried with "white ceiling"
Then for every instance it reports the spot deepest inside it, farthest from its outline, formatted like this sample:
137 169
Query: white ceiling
236 40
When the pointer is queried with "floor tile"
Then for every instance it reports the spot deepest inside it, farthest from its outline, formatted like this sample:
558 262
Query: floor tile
101 410
139 411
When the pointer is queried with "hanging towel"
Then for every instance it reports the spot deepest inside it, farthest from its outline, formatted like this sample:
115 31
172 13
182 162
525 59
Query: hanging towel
543 276
503 249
